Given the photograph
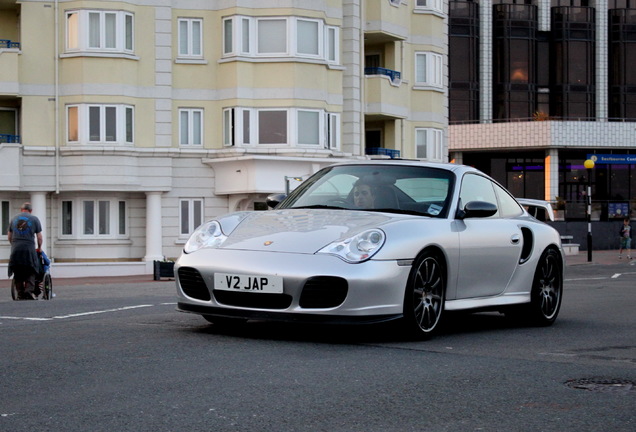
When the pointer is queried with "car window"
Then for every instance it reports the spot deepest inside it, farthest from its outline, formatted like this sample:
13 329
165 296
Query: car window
403 189
508 206
477 188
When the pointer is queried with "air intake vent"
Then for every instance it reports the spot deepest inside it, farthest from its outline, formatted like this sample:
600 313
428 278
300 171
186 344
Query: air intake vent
193 284
322 292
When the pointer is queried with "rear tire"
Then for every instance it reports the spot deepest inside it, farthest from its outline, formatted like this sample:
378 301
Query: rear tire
547 290
424 296
47 287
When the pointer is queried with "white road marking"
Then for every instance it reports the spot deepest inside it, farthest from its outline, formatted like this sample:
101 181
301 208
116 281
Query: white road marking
616 275
77 314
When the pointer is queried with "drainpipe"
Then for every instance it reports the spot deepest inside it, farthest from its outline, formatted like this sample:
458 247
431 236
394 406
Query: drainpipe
57 95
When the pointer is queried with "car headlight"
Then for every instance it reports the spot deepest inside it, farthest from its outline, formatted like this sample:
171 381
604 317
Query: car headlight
208 235
358 248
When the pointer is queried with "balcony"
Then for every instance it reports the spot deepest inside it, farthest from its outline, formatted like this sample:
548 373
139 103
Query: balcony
385 21
8 44
394 76
381 151
12 139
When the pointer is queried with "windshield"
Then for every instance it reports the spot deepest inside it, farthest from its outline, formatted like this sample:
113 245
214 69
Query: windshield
388 188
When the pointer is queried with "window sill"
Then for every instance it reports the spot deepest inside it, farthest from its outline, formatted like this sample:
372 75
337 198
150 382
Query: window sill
101 54
429 88
429 12
279 59
195 61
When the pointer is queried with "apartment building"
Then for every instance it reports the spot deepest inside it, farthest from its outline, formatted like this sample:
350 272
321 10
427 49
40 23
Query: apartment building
537 87
128 123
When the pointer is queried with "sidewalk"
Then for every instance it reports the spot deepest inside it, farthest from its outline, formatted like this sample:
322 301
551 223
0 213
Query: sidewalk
602 257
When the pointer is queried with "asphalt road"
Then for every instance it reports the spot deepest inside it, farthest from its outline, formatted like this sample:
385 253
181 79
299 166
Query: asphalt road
114 355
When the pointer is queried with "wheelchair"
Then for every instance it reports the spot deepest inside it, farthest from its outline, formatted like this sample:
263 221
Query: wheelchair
43 284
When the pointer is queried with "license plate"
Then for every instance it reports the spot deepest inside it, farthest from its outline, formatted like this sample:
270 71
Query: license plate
248 283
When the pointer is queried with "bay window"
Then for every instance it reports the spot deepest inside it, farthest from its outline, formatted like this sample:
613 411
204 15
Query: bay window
280 37
99 31
428 144
100 123
428 69
103 218
281 127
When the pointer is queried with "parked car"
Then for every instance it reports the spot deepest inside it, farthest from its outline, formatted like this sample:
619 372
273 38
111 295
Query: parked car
435 238
541 210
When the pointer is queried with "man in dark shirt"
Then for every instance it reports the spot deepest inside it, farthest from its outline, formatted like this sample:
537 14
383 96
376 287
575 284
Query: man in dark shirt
24 230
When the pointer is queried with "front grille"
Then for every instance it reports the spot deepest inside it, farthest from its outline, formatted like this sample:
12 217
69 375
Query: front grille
322 292
193 284
253 300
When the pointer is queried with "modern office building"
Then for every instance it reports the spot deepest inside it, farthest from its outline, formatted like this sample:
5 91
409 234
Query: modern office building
537 87
127 123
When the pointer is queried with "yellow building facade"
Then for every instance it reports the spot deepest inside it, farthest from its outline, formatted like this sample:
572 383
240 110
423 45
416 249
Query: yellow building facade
127 124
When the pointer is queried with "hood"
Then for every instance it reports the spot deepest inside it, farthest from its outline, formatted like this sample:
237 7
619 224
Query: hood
297 230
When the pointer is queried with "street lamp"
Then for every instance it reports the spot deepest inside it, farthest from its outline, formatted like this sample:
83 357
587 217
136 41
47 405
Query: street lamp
589 164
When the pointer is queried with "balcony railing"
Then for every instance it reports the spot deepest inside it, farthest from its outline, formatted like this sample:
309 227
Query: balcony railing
393 154
395 76
6 43
6 138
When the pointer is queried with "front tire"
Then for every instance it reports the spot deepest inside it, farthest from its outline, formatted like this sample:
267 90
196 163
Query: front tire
547 290
424 296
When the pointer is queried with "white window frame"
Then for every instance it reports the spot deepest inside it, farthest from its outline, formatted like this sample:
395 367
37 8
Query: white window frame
241 128
240 38
191 130
190 221
192 38
428 144
112 225
429 5
78 31
78 126
433 69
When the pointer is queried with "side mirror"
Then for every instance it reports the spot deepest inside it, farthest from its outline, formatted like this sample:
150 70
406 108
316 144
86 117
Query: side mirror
477 209
274 199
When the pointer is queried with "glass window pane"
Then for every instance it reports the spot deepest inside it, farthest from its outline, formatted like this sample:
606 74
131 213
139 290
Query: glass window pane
272 127
196 38
129 125
227 37
331 45
67 217
245 30
185 207
246 127
89 218
94 126
420 65
73 125
307 38
104 217
184 127
183 37
110 30
196 127
420 150
197 213
111 124
129 32
272 36
122 217
309 127
227 127
94 30
72 35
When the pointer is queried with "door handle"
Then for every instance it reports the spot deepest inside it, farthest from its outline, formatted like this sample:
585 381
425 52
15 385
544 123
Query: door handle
515 238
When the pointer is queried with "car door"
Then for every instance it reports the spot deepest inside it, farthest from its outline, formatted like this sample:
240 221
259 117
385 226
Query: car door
489 247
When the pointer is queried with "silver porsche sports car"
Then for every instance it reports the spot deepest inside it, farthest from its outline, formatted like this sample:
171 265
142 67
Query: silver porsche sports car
376 241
